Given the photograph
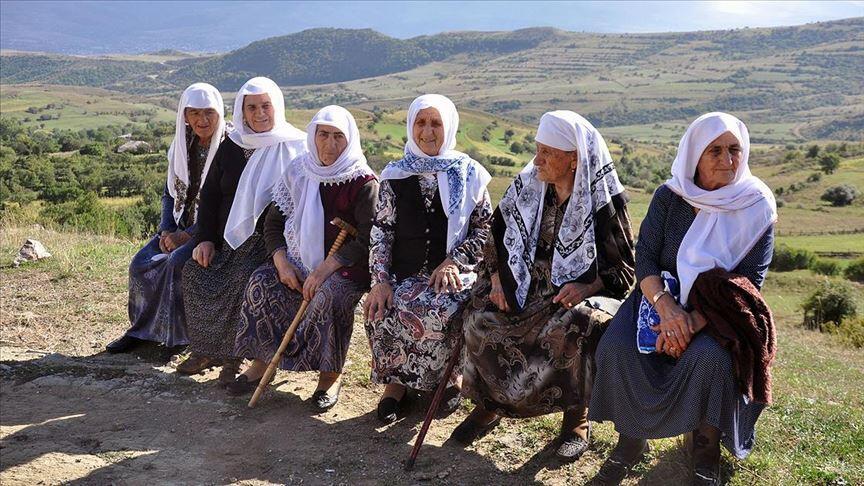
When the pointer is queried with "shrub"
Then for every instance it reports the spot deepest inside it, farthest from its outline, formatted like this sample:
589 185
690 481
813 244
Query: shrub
850 331
787 259
92 149
855 270
829 163
825 267
831 302
842 195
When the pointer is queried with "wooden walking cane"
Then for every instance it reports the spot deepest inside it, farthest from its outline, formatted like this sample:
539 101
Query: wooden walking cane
436 400
345 229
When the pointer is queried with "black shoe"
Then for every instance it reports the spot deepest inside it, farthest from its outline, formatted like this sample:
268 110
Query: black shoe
450 402
618 465
390 409
123 344
242 386
706 476
470 430
323 401
571 447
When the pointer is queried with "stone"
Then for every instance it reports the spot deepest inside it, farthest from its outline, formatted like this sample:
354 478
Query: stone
31 251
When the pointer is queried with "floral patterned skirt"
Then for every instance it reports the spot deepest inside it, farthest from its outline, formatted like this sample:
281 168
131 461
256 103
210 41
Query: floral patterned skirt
414 341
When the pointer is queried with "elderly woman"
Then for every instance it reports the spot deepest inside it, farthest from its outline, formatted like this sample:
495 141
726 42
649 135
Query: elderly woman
236 192
330 181
155 300
432 220
712 213
558 263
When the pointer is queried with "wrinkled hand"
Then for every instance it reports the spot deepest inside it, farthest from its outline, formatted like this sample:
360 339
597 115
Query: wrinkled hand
676 327
496 295
204 253
378 301
571 294
169 242
445 278
318 276
289 275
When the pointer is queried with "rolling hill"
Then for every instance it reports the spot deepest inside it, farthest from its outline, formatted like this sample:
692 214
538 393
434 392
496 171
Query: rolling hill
791 84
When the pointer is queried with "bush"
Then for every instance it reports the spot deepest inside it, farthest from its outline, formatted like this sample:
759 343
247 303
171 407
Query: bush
92 149
787 259
831 302
829 163
850 331
825 267
841 195
855 270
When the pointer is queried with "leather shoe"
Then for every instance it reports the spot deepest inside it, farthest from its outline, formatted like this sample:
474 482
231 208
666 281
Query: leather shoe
571 447
617 466
195 364
450 402
242 386
470 430
122 344
389 409
324 401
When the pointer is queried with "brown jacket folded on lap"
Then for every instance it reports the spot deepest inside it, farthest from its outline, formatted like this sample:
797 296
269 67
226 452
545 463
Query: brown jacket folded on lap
740 320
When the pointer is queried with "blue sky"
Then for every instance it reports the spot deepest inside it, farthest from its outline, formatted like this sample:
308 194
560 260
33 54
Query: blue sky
218 26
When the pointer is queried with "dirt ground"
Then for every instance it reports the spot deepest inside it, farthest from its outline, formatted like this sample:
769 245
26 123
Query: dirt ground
72 414
122 419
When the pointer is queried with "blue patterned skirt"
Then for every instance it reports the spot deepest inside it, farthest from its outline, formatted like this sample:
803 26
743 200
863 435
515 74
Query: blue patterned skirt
651 396
155 294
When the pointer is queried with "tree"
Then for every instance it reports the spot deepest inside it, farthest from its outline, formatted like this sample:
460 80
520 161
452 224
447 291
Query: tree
516 148
508 134
812 152
829 163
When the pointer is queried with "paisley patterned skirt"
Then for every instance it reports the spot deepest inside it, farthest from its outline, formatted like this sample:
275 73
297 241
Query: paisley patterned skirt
414 341
322 337
538 361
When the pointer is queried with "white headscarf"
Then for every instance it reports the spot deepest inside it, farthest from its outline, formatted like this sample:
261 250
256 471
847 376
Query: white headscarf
461 180
595 183
274 150
732 218
198 95
298 195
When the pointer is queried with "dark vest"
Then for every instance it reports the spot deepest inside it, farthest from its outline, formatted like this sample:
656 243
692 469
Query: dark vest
421 235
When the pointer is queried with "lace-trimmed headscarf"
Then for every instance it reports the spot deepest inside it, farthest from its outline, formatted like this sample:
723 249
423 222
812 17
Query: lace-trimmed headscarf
298 195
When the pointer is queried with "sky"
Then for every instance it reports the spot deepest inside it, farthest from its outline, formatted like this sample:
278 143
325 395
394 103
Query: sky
94 27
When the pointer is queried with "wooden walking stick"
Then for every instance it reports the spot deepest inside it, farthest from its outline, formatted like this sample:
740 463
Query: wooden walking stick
436 400
345 229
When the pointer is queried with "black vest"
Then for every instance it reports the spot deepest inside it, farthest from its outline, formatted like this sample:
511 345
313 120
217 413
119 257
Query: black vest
421 234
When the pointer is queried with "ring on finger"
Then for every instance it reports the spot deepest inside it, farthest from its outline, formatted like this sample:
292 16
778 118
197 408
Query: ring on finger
670 333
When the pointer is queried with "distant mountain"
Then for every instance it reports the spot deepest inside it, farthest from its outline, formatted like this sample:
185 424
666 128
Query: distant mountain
331 55
799 82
